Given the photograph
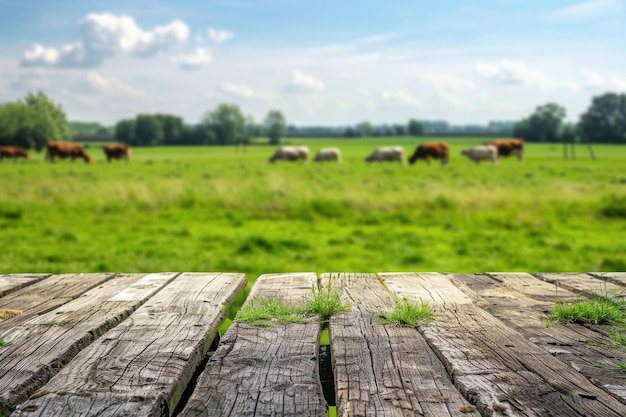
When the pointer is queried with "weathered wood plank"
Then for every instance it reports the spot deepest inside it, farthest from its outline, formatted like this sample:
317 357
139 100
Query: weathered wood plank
582 283
519 303
615 277
384 370
532 287
41 346
13 282
142 366
492 364
47 295
264 371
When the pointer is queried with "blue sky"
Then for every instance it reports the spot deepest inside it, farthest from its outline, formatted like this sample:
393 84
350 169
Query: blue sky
323 62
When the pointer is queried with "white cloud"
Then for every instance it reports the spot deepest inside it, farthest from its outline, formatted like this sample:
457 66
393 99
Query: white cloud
446 81
306 81
195 61
245 91
219 36
594 80
104 35
452 100
587 10
514 73
399 97
113 86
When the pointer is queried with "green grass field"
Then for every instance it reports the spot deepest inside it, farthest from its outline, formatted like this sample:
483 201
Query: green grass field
213 209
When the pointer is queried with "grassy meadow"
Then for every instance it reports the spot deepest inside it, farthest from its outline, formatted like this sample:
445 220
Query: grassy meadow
215 209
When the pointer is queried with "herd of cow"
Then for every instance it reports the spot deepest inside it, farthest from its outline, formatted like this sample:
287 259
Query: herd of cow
490 151
64 150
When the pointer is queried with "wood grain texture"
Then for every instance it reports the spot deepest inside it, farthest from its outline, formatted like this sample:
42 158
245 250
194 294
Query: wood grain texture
585 349
493 364
583 283
384 370
47 295
264 371
41 346
13 282
615 277
149 358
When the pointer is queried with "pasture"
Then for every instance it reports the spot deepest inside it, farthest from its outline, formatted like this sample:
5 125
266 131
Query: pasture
215 209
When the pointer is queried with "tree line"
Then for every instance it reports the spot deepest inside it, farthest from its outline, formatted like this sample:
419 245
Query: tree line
603 122
32 121
226 125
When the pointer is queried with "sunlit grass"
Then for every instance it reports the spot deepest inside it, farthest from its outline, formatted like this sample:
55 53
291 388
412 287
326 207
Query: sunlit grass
265 312
409 313
325 301
598 310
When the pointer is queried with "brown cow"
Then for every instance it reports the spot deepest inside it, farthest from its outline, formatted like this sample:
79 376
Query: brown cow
65 150
12 152
509 147
117 152
435 150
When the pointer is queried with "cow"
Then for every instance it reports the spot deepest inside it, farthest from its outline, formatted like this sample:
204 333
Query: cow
291 153
392 154
482 153
509 147
328 154
435 150
12 152
66 150
117 152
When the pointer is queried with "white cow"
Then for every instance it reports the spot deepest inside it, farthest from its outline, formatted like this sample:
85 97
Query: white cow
328 154
482 153
393 154
291 153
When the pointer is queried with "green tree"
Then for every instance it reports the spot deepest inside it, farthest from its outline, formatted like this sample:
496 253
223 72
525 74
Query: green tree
276 126
32 122
227 122
253 129
544 125
605 120
125 131
148 130
416 128
202 135
399 130
50 121
172 128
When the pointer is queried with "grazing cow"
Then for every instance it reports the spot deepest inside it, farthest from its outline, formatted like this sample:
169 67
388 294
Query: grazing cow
66 150
117 152
509 147
435 150
12 152
328 154
392 154
291 153
482 153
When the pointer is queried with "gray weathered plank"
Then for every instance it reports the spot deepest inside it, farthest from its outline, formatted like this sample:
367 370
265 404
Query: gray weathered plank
384 370
264 371
13 282
47 295
518 303
583 283
492 364
142 366
615 277
44 344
